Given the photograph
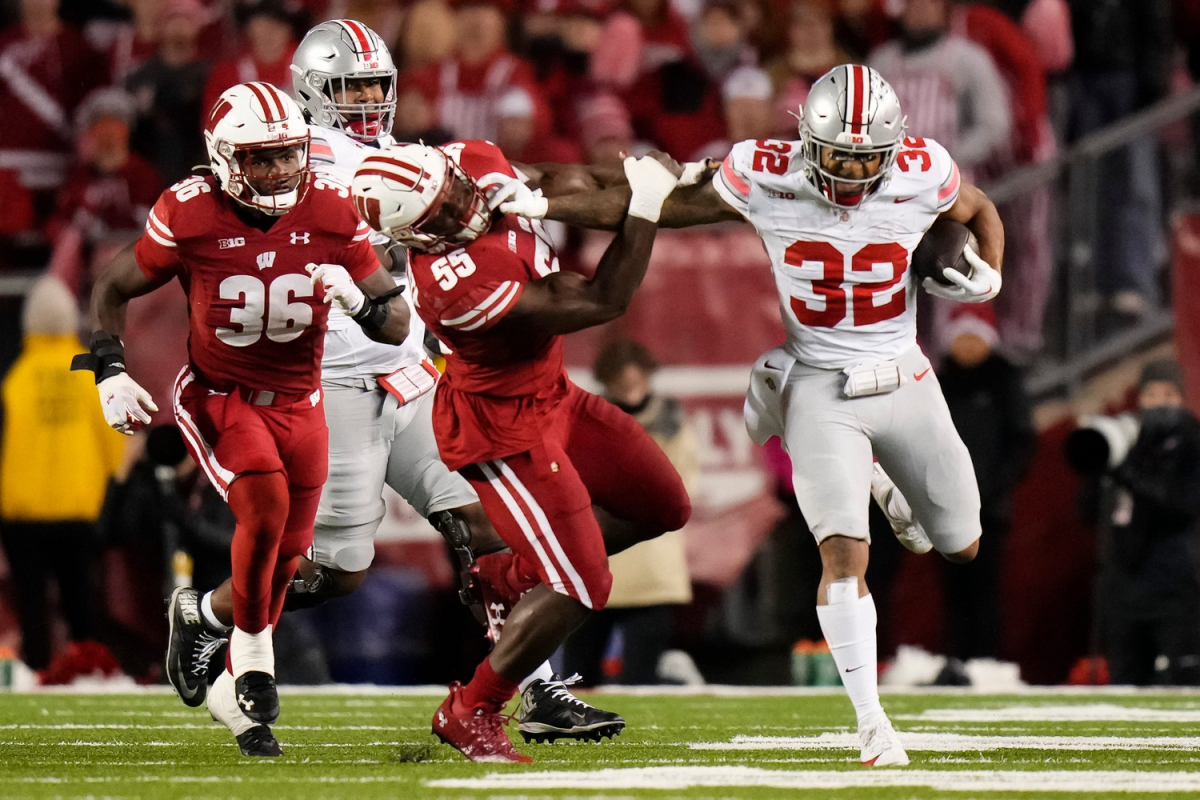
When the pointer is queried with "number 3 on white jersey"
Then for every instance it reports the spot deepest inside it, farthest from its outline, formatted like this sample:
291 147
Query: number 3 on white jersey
838 280
285 320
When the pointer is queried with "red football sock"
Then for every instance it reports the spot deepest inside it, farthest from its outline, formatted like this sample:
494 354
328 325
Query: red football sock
487 690
259 501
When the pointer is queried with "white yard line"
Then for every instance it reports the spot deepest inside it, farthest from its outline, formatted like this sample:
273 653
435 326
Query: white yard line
957 742
1097 712
951 781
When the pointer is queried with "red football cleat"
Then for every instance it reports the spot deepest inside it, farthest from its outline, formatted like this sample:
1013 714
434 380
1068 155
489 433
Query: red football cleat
501 586
476 733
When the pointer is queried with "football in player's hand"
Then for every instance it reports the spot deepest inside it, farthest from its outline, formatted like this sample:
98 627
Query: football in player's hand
942 248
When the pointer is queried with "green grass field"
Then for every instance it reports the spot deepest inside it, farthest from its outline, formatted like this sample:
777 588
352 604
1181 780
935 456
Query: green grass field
358 745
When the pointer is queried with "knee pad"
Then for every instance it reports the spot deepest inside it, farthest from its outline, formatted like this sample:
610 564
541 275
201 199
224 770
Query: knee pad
259 500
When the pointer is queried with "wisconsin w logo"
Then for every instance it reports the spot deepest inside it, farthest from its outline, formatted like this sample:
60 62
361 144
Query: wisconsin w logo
266 260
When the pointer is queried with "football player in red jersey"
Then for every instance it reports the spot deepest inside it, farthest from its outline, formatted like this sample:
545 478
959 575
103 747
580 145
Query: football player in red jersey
249 244
538 450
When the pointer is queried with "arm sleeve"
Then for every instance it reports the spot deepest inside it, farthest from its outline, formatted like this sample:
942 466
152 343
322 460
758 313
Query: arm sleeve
732 180
359 258
482 306
156 252
947 172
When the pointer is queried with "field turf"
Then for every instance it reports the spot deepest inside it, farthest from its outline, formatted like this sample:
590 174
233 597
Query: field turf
365 745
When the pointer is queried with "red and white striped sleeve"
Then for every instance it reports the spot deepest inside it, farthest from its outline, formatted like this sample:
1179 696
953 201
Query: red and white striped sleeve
732 180
157 252
947 171
483 306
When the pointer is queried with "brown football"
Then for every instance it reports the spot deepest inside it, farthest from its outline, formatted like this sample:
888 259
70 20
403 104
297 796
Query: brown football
941 248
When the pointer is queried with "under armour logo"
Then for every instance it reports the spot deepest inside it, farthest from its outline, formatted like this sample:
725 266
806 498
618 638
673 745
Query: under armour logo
441 719
244 703
266 260
300 238
496 609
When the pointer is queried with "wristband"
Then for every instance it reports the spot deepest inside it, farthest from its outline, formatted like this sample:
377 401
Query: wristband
106 359
646 204
372 316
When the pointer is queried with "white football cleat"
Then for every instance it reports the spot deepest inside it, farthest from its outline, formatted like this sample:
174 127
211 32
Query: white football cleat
881 746
907 530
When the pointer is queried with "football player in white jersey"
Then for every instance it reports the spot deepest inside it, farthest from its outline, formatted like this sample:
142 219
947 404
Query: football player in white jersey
840 212
378 406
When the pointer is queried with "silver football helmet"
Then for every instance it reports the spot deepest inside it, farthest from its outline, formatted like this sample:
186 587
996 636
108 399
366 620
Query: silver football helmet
332 54
853 111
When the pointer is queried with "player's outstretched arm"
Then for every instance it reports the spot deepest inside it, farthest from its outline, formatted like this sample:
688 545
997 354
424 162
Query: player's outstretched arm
565 302
698 204
126 405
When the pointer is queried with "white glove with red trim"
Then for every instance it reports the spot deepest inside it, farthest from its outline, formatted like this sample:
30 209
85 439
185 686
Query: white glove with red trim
981 285
127 406
339 287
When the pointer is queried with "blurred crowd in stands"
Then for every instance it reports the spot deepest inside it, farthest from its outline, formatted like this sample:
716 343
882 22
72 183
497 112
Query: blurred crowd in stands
101 107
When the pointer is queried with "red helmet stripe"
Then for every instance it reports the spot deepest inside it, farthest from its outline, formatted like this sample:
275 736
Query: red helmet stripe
267 107
356 30
277 98
395 162
219 111
407 181
858 114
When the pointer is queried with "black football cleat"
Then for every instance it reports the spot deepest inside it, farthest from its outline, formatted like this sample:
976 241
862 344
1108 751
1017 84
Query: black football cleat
259 741
257 697
550 712
190 647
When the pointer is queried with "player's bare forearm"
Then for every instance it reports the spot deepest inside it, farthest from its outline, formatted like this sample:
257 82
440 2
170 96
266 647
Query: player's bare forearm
557 180
975 209
698 204
564 302
121 281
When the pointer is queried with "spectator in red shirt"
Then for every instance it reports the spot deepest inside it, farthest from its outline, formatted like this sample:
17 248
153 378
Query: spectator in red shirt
579 27
265 54
109 194
46 69
639 40
465 89
128 44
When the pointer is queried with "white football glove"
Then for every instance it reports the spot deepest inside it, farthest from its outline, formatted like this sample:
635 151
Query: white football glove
980 286
125 403
650 183
516 198
339 286
693 171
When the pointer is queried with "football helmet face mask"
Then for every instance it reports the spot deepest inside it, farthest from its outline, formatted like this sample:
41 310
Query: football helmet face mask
851 115
420 197
257 143
334 71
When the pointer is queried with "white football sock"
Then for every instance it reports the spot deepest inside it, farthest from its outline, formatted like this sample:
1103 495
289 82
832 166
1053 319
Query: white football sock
848 622
544 672
210 619
252 652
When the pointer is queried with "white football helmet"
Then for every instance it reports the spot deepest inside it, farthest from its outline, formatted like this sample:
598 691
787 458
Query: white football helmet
252 117
420 197
852 110
333 53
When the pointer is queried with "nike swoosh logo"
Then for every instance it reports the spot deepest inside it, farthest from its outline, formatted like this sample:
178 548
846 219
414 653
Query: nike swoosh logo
768 365
905 199
852 669
923 374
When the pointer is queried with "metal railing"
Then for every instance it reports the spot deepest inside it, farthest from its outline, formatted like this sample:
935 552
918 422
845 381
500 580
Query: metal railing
1077 342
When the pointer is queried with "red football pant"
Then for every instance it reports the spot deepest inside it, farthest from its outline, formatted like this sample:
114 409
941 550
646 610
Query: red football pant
269 463
540 501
